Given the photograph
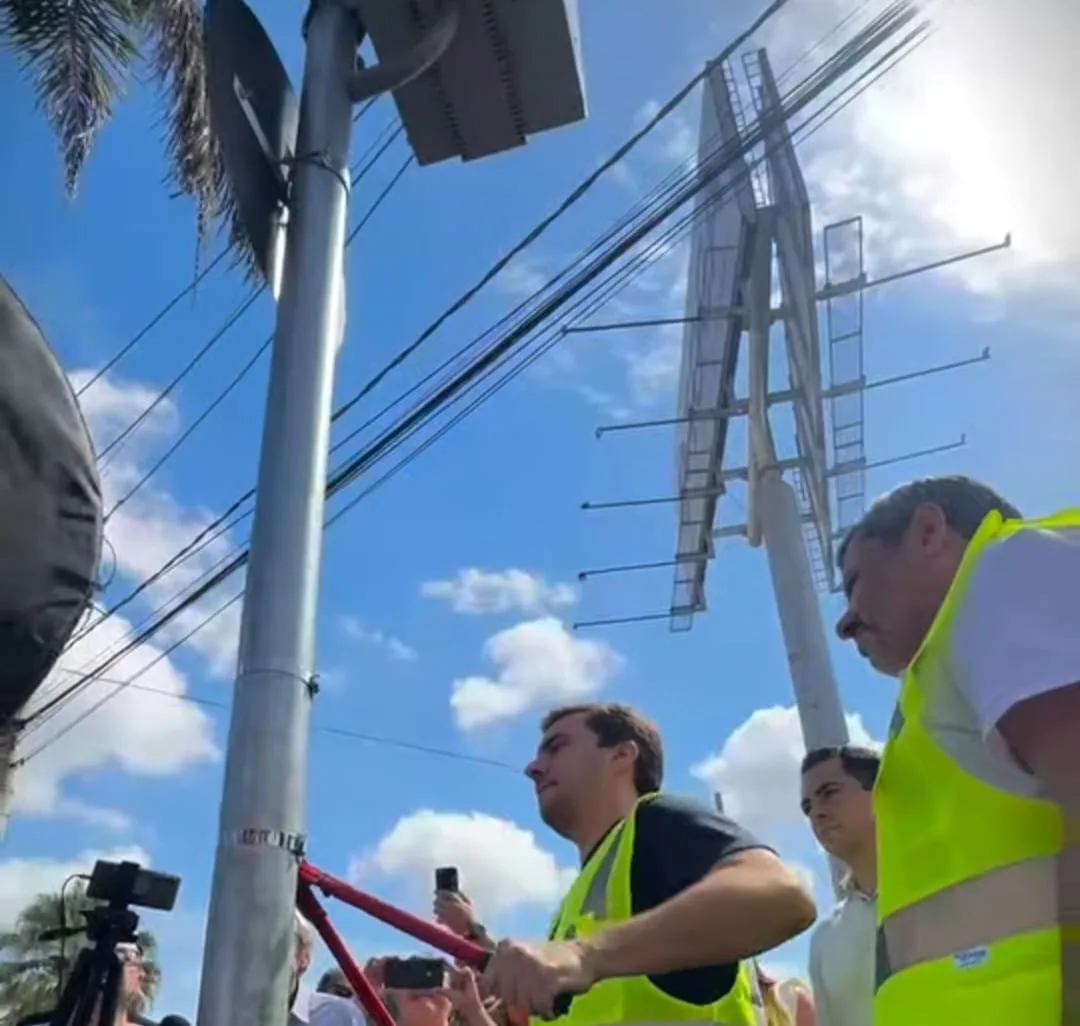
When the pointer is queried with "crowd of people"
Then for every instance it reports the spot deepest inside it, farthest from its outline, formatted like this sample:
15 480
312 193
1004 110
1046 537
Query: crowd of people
959 843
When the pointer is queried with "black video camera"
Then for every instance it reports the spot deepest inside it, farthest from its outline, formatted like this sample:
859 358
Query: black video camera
119 884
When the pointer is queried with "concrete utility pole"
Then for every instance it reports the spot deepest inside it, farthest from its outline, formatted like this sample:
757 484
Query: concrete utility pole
486 95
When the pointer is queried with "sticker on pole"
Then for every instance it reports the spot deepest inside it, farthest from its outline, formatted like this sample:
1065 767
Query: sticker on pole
261 837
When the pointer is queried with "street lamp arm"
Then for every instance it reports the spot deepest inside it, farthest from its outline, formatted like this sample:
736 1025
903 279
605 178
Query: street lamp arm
400 69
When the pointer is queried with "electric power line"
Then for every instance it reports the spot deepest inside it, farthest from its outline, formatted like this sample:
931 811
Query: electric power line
223 524
245 304
171 304
255 357
372 155
322 728
575 196
832 70
154 321
531 236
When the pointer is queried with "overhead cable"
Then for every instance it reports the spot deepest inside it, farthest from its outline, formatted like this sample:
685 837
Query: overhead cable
172 303
574 197
255 357
830 72
386 138
211 528
378 740
500 264
232 516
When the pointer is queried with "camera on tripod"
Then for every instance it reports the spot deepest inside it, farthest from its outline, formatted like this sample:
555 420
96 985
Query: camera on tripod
119 884
92 990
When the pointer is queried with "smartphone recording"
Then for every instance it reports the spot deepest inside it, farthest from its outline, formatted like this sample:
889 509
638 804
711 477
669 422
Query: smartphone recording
415 973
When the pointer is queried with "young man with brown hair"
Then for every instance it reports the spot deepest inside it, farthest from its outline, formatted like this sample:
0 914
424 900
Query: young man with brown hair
837 786
672 901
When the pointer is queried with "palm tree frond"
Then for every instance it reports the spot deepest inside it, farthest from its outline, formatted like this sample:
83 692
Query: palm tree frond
239 245
78 53
175 34
177 55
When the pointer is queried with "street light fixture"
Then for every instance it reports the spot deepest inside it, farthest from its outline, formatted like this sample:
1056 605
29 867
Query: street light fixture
512 70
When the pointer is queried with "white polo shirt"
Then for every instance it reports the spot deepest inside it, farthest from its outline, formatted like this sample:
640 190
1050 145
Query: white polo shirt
1016 632
331 1010
842 950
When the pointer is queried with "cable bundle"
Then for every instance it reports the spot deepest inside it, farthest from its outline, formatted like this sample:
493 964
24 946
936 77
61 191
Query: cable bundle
485 365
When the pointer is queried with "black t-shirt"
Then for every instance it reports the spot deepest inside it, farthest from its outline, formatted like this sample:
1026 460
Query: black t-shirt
677 842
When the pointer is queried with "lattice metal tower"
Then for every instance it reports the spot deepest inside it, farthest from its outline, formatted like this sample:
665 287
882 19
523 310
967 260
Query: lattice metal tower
754 237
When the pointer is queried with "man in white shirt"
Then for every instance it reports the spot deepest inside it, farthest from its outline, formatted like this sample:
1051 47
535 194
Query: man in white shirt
333 1003
1010 711
836 798
995 696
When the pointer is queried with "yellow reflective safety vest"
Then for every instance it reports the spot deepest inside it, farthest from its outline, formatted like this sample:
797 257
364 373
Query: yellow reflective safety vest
600 896
968 899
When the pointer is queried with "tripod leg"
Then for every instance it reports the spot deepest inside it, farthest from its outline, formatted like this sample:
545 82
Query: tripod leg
67 1012
110 990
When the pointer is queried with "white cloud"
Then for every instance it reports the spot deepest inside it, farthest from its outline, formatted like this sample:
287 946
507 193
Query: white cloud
475 592
110 405
502 865
674 140
756 770
640 364
969 138
151 527
524 276
23 879
143 732
540 664
356 630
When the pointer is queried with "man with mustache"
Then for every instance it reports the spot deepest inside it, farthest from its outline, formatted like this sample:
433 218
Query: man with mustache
673 899
977 804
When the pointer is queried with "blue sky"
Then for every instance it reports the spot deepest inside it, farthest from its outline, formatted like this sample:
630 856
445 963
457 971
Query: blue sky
503 490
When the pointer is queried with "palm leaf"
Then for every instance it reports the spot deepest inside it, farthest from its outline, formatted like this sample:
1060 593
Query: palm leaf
176 55
174 51
78 54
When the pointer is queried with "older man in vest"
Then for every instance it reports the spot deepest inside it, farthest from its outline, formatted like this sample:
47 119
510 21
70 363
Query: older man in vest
672 900
978 613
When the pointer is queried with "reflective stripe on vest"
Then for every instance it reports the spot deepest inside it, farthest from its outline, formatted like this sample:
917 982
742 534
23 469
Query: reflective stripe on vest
971 915
973 893
606 899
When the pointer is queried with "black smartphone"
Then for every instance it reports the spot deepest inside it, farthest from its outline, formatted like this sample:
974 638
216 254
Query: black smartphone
446 879
414 974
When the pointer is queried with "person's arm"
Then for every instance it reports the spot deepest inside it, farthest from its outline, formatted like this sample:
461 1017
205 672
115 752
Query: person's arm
748 904
470 1008
1017 646
454 911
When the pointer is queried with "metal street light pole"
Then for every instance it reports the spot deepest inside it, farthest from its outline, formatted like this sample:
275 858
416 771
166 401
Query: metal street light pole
476 103
247 958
